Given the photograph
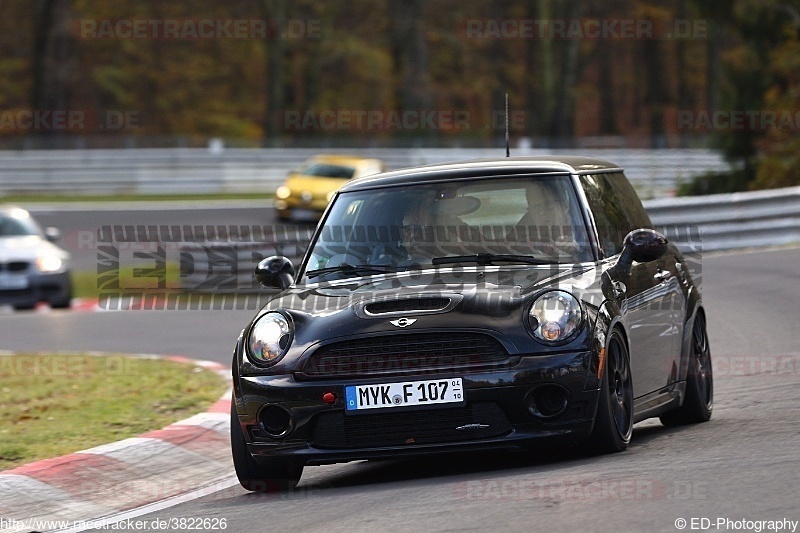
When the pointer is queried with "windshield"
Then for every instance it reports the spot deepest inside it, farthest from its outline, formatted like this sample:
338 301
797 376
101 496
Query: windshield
11 226
525 220
327 170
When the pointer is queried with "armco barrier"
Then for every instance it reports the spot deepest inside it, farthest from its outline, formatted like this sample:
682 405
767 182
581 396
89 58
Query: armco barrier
654 173
696 224
737 220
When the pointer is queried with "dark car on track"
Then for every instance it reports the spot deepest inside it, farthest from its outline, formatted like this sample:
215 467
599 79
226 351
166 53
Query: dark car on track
469 306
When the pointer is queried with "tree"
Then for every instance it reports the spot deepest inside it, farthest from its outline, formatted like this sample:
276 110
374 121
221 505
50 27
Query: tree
779 164
274 10
410 54
758 27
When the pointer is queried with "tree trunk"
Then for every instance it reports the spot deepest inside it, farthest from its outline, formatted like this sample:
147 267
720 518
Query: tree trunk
545 95
562 125
684 97
275 11
656 94
410 56
43 32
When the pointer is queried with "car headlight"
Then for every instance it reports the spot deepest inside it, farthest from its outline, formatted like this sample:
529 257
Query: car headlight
283 192
555 317
269 339
49 263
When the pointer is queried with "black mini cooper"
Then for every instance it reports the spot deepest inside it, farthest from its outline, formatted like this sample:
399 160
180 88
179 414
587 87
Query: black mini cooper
469 306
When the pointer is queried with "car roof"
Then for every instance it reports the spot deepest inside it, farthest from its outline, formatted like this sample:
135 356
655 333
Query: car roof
11 210
484 168
340 159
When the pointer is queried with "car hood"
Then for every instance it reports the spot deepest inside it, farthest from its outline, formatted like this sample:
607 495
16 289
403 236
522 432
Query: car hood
314 184
28 248
482 298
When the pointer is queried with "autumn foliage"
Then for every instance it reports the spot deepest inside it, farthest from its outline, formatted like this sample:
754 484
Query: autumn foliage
281 73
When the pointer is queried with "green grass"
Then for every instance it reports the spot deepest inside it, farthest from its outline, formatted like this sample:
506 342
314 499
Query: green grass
87 284
52 405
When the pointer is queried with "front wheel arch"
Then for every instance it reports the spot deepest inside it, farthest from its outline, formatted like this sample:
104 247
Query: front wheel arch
272 475
613 425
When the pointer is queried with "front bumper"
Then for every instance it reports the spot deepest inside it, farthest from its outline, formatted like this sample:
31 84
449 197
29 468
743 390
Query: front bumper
292 209
512 407
54 289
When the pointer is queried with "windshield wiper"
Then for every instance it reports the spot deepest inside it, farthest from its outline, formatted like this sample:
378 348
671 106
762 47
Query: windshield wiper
347 268
488 259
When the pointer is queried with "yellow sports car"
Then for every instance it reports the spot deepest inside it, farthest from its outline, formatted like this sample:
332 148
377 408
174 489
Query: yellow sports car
308 189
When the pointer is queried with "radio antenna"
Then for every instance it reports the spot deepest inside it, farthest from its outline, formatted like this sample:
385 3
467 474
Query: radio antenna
508 150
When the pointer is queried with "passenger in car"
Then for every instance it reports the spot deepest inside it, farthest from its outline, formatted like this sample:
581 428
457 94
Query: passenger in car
547 225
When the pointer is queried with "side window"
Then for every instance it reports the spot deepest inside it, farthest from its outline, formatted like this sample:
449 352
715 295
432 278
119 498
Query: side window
609 211
629 200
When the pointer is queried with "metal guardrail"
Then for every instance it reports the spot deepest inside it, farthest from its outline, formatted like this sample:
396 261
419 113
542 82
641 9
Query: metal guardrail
696 224
737 220
654 173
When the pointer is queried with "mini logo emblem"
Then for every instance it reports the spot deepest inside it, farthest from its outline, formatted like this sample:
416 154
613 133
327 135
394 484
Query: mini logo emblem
402 322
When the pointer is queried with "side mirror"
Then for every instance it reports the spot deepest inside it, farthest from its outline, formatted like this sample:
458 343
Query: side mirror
641 245
52 234
275 272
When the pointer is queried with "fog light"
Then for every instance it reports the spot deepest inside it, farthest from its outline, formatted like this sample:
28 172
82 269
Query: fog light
547 401
275 421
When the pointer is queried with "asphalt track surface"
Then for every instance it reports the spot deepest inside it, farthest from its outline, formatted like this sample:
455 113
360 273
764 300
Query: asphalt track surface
740 468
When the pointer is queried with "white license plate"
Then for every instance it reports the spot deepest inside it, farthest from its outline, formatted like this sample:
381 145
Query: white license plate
11 282
404 394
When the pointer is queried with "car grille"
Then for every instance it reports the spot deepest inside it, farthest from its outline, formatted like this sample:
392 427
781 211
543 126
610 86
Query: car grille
405 354
14 266
335 429
15 293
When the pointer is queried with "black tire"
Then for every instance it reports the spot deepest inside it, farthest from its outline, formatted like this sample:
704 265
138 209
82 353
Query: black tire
613 426
279 475
63 303
699 400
